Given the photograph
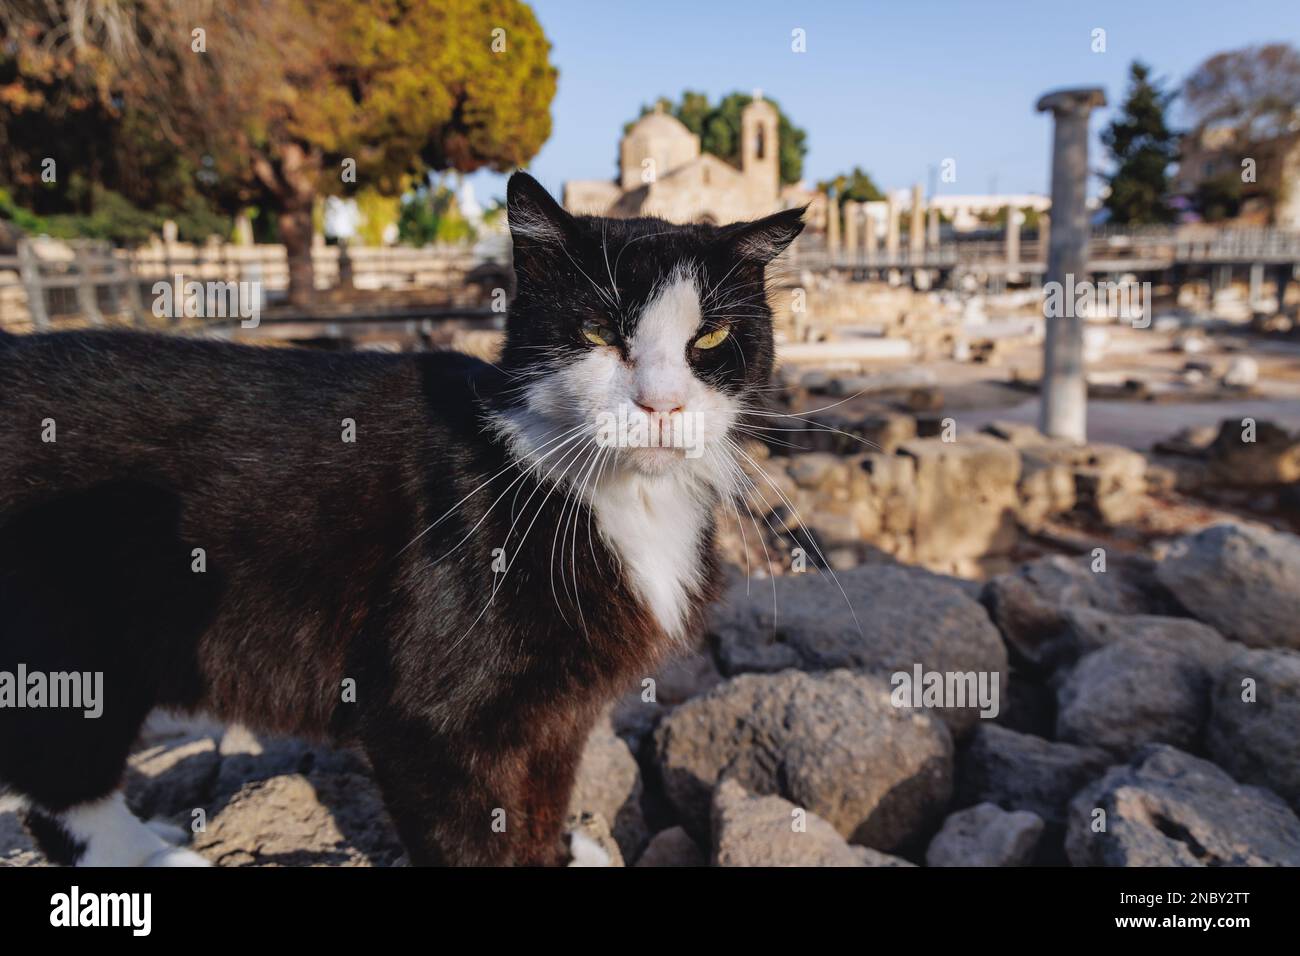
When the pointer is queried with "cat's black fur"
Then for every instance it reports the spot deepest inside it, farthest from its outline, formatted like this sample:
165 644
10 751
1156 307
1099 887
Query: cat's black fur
466 702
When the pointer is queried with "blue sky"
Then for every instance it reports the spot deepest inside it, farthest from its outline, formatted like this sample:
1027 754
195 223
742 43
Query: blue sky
893 87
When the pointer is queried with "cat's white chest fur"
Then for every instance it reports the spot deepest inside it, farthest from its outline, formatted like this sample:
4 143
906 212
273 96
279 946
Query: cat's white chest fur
654 526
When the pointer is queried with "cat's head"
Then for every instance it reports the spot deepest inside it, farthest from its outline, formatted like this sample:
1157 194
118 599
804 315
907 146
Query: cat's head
639 337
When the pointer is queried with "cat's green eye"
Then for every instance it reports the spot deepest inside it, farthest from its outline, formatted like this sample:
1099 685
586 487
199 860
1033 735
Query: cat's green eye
598 334
712 339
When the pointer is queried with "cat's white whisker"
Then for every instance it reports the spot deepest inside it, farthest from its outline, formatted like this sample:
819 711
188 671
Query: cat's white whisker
513 464
747 484
530 467
811 538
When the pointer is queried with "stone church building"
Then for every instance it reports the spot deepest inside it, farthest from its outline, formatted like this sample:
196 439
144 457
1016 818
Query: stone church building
662 172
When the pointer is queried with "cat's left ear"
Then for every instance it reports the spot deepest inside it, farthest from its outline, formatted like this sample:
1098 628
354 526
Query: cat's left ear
764 239
536 220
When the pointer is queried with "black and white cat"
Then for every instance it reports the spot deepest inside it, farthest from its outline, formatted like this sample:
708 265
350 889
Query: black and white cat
457 590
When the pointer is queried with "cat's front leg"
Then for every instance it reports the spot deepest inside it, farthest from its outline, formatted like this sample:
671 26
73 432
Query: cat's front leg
549 785
449 810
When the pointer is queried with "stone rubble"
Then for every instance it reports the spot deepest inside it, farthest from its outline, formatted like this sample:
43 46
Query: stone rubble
1148 710
986 835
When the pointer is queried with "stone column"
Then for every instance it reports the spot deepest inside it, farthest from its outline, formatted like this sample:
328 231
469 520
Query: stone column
891 230
1013 236
869 239
1044 235
851 230
1256 285
832 226
932 227
1064 410
916 234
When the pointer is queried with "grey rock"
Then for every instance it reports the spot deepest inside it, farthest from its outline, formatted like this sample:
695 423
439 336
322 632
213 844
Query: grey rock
1134 692
1259 741
172 777
1242 580
16 845
634 718
869 857
1019 771
751 830
986 835
832 743
685 677
672 847
1029 604
247 757
608 783
1088 629
1168 808
904 616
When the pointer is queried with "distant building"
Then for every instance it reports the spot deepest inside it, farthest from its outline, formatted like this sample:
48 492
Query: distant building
662 172
1269 173
969 212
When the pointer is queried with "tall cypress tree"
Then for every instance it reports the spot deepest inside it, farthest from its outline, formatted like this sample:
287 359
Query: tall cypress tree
1142 146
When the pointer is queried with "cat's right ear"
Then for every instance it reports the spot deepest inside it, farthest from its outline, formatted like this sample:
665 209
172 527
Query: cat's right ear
537 222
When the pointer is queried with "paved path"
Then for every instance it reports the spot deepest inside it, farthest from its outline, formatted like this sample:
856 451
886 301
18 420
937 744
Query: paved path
1140 424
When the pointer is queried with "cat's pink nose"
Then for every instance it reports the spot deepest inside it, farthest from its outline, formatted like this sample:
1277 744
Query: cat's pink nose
659 404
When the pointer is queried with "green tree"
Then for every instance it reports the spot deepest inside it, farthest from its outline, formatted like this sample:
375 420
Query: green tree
377 212
855 186
431 215
718 127
1142 147
1030 220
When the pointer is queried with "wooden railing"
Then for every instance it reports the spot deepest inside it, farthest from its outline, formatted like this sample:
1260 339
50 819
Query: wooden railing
1142 248
47 283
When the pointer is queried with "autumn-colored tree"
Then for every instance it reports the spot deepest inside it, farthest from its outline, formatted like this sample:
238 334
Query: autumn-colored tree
71 145
283 101
1246 102
718 127
1254 91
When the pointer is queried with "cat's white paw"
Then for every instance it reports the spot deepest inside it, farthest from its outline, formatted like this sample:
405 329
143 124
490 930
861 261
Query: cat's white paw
587 852
168 831
176 856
